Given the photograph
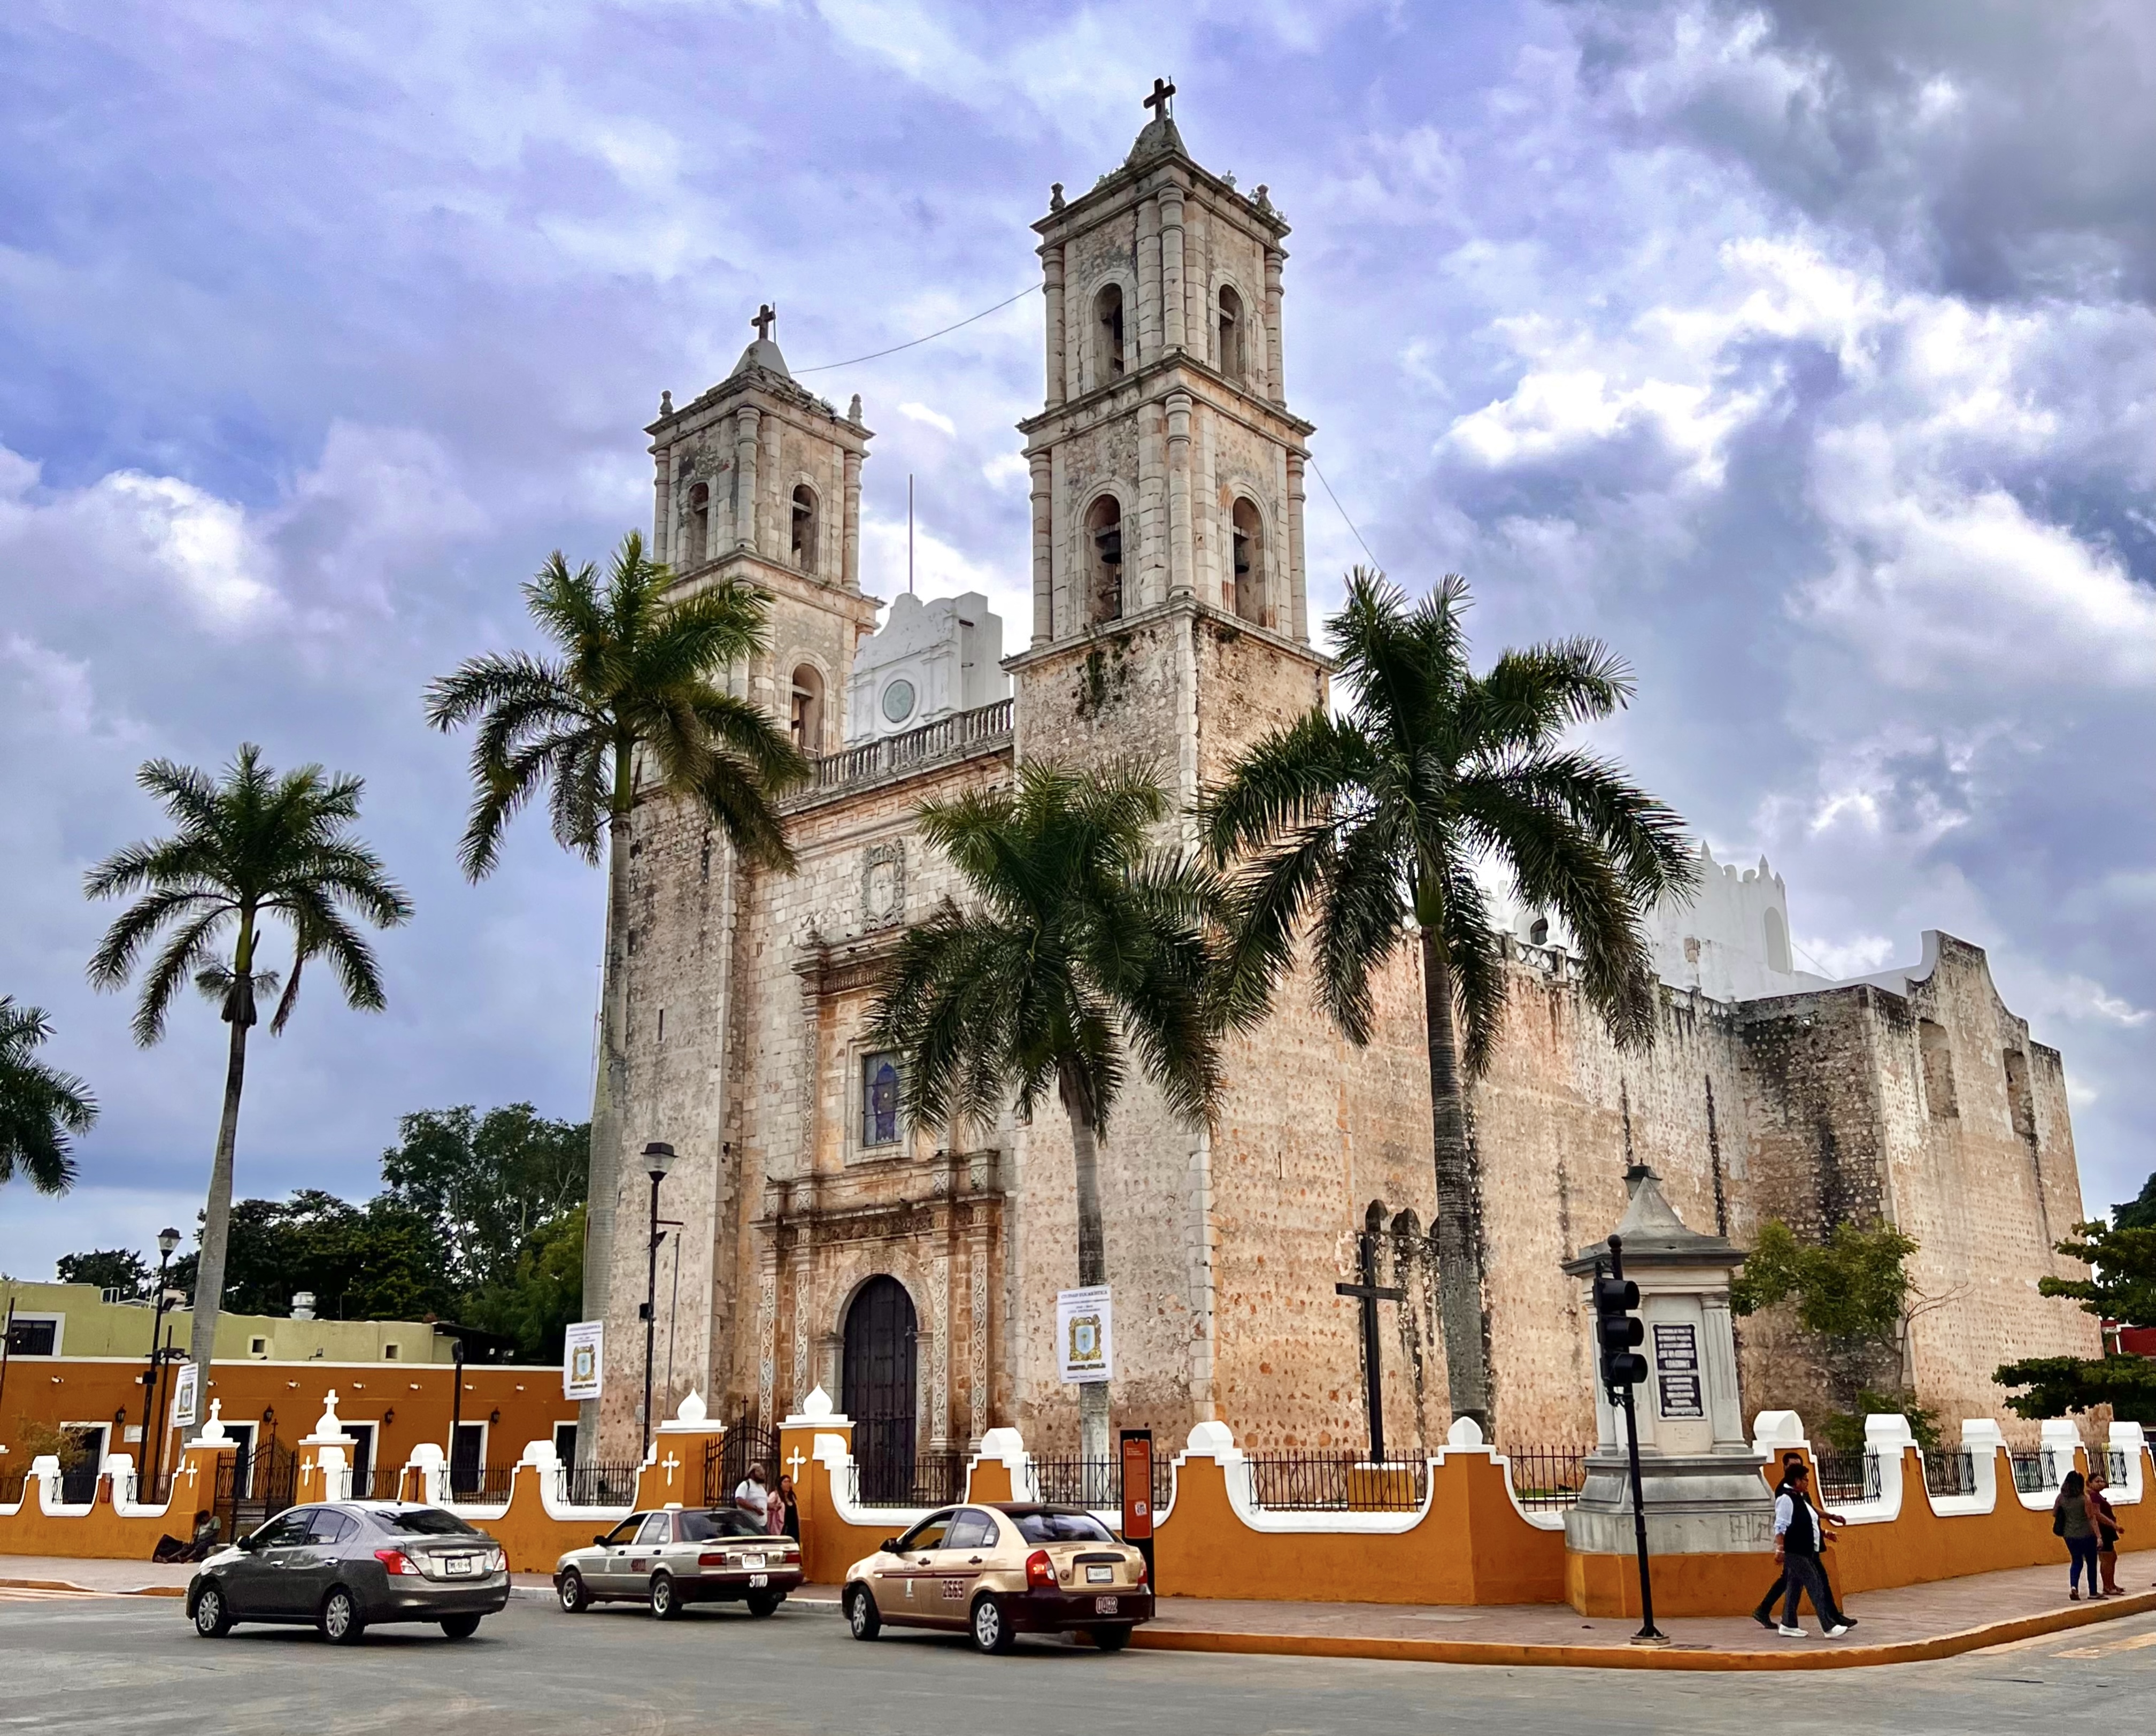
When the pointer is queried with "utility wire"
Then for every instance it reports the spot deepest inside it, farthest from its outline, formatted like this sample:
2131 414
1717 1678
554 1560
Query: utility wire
1344 518
877 356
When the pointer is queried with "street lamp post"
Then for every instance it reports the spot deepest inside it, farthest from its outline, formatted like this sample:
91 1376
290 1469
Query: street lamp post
456 1406
153 1437
658 1159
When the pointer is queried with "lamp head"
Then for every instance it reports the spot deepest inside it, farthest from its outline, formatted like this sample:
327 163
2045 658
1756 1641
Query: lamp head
167 1240
658 1159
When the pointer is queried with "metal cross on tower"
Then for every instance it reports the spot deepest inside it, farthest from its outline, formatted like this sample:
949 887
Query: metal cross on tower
767 316
1161 91
1371 1293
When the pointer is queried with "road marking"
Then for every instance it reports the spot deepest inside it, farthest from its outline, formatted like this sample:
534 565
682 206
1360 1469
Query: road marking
2135 1644
21 1595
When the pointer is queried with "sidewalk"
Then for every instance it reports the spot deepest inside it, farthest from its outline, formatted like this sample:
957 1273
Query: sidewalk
68 1573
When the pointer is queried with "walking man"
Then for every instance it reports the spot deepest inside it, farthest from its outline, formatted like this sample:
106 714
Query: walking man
1764 1614
1797 1549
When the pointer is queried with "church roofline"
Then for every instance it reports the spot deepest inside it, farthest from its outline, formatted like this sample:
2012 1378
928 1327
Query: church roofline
1127 178
1238 395
786 392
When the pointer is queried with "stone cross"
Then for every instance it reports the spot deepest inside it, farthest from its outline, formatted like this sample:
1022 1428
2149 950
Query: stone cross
1161 91
1371 1293
767 316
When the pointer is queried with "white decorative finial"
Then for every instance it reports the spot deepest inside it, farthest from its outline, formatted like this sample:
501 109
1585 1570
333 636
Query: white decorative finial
212 1431
817 1403
1465 1432
693 1409
329 1425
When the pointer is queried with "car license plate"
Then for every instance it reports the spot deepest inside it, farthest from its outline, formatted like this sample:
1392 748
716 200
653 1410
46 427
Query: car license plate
458 1565
756 1582
1105 1605
751 1561
1100 1576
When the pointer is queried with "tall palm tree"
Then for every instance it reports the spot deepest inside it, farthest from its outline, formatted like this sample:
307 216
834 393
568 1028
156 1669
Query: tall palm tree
40 1106
1082 942
632 693
1372 823
252 848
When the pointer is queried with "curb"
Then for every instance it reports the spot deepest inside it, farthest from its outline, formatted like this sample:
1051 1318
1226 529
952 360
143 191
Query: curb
94 1590
1643 1657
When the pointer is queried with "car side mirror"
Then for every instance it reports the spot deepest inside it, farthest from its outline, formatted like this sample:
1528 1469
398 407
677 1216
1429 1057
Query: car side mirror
245 1545
600 1539
889 1546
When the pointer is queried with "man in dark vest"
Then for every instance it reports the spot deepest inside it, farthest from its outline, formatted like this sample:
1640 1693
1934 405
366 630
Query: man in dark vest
1797 1549
1764 1614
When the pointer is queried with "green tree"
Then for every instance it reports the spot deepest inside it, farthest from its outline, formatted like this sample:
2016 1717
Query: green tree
382 1261
1083 946
252 848
535 1301
634 691
2120 1286
487 1182
1372 823
2138 1213
120 1269
40 1106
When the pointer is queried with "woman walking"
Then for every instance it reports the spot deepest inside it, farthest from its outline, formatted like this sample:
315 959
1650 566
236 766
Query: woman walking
2074 1517
2108 1531
787 1510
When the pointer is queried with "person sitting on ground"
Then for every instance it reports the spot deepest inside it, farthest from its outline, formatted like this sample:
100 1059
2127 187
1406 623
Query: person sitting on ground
2074 1517
1797 1532
1832 1522
753 1496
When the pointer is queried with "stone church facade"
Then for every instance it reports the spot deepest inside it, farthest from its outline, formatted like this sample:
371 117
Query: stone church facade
817 1241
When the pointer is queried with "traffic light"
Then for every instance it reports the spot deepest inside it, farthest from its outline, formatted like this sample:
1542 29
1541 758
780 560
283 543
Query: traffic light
1618 1332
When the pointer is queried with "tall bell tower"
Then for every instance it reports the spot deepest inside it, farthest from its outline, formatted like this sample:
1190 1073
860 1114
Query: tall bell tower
1169 616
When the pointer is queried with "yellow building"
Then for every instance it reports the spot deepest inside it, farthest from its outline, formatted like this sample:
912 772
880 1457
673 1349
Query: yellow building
76 1320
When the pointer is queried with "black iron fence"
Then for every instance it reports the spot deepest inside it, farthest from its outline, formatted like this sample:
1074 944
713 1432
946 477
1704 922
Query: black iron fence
1846 1478
1547 1478
2036 1472
1948 1472
78 1482
2114 1467
1336 1482
598 1485
12 1481
909 1479
1094 1483
253 1486
480 1485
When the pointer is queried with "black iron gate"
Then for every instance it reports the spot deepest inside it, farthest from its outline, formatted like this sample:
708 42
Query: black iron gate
746 1442
878 1389
253 1488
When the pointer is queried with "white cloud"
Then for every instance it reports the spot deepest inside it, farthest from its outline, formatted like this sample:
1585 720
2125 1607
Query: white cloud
927 418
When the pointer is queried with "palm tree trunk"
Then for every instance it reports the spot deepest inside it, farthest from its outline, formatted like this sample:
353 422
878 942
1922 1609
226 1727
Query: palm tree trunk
217 1215
1459 1199
1092 1259
609 1092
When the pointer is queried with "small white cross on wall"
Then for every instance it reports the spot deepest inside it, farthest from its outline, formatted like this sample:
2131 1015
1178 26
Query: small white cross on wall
191 1474
672 1465
795 1463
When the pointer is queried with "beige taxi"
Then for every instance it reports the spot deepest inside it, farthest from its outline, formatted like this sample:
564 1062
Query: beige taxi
996 1570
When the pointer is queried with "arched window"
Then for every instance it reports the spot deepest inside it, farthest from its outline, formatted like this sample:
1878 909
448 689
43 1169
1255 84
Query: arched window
1108 317
808 721
1247 540
1228 353
879 1083
1104 543
805 528
1538 932
1777 940
699 524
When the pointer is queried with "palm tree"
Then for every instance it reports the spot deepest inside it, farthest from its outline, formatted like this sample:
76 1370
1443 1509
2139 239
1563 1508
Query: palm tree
1373 823
40 1106
1083 942
252 847
633 694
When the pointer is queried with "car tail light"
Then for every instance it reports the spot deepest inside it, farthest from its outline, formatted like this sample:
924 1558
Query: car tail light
713 1558
791 1555
1039 1571
395 1562
1145 1573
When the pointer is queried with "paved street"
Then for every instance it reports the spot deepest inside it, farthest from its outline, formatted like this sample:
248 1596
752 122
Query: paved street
98 1664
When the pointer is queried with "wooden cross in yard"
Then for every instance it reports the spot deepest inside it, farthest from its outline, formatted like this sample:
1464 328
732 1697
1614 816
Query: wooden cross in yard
1371 1293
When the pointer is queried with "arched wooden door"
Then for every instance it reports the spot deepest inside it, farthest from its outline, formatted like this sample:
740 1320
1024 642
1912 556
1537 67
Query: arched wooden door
879 1388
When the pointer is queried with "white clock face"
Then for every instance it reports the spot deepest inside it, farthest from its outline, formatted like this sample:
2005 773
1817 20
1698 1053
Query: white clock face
898 700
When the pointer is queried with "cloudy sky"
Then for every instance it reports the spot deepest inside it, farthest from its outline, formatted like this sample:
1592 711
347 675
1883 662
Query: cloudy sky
1805 351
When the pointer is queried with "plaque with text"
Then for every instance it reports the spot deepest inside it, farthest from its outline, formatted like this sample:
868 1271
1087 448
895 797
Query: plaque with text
1677 1368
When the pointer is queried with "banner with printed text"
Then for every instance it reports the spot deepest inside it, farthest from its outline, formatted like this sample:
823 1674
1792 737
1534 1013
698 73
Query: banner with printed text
1084 1341
583 1359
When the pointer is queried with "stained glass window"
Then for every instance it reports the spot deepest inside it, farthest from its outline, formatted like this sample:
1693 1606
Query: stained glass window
879 1099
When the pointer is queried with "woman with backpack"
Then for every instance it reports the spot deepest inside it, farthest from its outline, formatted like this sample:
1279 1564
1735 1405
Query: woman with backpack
2076 1518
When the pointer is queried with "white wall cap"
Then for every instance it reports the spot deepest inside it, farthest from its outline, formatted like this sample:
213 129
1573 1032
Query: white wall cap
1465 1432
1006 1444
1783 1428
817 1404
2129 1437
829 1449
1885 1431
426 1455
692 1409
1210 1439
540 1455
1981 1434
2061 1432
45 1465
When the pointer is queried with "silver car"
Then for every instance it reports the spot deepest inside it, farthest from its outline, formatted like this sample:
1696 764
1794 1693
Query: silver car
344 1567
679 1557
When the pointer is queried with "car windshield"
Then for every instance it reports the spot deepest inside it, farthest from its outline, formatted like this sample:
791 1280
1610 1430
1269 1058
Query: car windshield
1061 1528
702 1528
425 1521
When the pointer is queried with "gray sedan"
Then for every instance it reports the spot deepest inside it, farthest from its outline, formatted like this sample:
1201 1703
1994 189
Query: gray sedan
343 1567
679 1557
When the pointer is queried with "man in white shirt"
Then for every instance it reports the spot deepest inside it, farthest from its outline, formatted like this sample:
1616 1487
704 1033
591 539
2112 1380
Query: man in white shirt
1796 1548
752 1497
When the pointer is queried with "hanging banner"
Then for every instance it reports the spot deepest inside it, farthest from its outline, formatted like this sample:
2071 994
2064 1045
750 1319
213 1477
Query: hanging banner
1084 1342
186 1394
583 1359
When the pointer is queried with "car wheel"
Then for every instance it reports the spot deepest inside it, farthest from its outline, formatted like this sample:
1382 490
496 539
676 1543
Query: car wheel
862 1615
460 1627
666 1599
570 1589
340 1622
1112 1639
212 1615
992 1628
763 1603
